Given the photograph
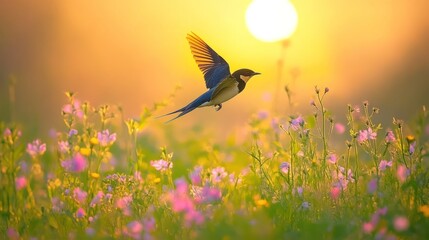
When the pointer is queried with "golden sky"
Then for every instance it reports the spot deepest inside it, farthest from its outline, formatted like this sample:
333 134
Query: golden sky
135 52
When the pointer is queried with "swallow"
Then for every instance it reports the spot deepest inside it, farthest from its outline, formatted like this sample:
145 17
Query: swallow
221 84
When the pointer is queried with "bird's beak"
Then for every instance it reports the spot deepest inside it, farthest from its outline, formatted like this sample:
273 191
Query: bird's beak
256 73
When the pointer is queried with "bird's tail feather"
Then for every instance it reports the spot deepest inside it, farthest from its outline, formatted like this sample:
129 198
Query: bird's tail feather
179 110
181 114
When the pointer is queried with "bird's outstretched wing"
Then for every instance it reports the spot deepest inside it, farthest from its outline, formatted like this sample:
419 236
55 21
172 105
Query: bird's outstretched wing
213 66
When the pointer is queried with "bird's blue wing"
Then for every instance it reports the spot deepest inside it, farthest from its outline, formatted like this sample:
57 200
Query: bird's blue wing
213 66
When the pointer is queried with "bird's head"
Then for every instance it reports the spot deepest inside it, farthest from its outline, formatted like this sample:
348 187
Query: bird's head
244 74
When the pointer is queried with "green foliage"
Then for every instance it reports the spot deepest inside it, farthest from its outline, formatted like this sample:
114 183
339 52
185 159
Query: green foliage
286 177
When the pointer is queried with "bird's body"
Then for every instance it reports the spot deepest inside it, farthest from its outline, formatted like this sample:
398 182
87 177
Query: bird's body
221 84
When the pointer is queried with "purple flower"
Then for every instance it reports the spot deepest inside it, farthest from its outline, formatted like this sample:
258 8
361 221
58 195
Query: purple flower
149 224
80 213
296 123
105 138
161 165
76 164
284 167
372 186
384 164
218 174
57 204
20 182
390 137
299 190
36 148
73 132
412 148
79 195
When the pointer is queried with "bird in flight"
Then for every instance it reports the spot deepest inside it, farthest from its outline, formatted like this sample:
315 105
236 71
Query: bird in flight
221 84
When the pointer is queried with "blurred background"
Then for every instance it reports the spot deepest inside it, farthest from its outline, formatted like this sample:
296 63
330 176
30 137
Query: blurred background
135 53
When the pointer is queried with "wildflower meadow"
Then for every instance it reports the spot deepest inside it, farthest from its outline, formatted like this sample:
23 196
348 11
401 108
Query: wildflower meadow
102 176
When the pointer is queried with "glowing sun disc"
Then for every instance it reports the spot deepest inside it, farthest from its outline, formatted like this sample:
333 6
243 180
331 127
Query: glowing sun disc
271 20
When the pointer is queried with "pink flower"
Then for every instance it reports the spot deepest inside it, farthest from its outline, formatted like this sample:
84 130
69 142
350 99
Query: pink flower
124 204
368 227
161 165
73 109
20 183
80 213
296 123
371 135
284 167
339 128
181 202
76 164
195 175
384 164
365 135
12 234
390 137
36 148
134 229
97 199
362 136
79 195
208 194
193 216
218 174
332 158
402 173
401 223
63 146
372 186
105 138
335 192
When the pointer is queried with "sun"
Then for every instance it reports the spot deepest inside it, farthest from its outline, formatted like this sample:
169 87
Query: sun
271 20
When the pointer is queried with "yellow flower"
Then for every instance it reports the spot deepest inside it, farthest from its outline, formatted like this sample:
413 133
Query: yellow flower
95 175
76 148
261 203
57 182
157 180
411 138
94 141
425 210
85 151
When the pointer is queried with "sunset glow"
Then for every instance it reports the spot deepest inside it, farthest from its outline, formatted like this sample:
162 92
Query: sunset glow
271 20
